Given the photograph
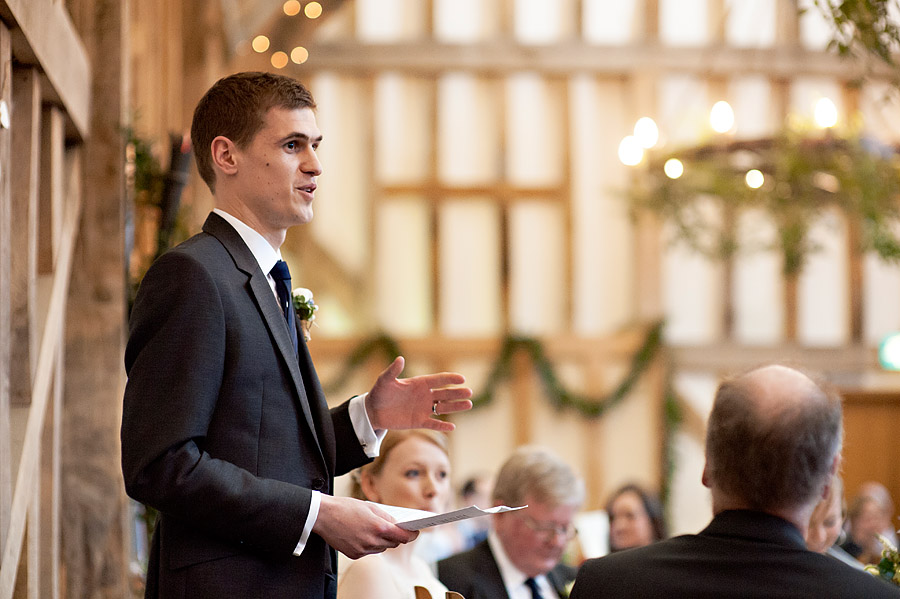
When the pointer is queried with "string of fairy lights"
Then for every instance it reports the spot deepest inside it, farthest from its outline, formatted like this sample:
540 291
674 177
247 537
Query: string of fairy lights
646 137
298 55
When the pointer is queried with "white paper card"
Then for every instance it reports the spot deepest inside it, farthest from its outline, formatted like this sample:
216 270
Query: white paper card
410 519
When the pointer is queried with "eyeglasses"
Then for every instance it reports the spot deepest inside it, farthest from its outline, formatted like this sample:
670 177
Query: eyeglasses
549 531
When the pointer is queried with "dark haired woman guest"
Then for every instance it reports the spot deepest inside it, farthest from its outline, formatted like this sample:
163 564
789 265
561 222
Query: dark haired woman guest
635 518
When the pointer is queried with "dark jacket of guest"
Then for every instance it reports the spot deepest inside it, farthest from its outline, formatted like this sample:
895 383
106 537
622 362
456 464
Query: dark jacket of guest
475 575
741 554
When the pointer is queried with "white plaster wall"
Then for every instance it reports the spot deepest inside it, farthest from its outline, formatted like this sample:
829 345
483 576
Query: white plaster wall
402 126
758 284
537 257
534 131
403 255
465 21
612 23
690 508
342 207
822 289
542 21
602 230
389 20
470 288
468 135
684 22
750 23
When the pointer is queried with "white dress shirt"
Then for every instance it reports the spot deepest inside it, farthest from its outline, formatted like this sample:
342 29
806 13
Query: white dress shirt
513 578
369 438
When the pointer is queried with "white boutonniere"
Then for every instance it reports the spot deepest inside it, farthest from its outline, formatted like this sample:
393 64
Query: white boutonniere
305 308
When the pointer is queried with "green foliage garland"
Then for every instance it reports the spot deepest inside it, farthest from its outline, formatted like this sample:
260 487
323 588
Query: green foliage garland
558 395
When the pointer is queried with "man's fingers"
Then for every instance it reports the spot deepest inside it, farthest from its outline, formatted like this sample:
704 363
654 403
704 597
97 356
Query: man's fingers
442 379
452 395
394 370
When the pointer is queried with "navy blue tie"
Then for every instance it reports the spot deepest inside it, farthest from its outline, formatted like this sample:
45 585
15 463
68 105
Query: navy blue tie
282 276
535 593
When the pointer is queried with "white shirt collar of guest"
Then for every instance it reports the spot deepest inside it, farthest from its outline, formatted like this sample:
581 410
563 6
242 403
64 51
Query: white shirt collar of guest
261 249
513 578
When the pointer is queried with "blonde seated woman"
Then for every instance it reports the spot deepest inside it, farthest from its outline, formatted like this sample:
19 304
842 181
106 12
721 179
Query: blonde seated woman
412 470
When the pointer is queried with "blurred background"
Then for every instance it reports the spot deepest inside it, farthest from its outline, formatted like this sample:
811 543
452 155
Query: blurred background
593 209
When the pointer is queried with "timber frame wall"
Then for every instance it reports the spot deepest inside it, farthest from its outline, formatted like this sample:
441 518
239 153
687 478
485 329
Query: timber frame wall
46 120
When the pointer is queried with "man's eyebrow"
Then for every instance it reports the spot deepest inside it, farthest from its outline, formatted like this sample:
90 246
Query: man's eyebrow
299 136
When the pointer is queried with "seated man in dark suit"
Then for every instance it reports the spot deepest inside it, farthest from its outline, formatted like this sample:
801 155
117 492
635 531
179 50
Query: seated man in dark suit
520 558
773 443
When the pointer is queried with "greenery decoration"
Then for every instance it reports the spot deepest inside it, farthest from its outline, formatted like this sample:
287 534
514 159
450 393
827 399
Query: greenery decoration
865 30
559 396
889 567
803 177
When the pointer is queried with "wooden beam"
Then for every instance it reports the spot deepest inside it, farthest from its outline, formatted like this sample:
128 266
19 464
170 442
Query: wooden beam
500 58
24 171
730 357
51 190
5 328
43 34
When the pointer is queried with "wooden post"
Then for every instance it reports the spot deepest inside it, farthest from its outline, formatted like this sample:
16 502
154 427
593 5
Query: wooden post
24 176
94 507
6 479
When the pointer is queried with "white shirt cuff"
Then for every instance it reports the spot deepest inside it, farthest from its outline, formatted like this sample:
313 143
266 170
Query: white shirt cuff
369 438
314 502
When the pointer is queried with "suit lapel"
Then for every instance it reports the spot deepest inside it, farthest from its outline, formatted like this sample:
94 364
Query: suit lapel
267 306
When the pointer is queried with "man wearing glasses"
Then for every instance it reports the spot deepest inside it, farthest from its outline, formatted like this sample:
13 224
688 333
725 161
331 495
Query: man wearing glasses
521 557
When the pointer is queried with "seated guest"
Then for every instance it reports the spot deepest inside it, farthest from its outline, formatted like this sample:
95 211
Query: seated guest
866 520
521 556
871 514
825 524
773 443
412 470
635 518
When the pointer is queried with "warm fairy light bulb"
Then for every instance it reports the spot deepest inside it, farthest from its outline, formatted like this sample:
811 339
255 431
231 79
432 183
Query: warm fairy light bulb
260 43
646 132
826 115
630 151
299 55
673 168
313 10
754 179
721 117
279 60
291 8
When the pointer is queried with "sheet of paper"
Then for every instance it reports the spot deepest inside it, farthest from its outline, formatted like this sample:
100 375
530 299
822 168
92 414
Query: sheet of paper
410 519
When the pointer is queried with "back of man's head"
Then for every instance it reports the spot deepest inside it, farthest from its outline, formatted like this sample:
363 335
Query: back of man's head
235 107
772 438
536 473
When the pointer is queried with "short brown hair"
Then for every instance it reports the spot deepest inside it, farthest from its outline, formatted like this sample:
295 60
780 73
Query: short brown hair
235 107
773 461
537 473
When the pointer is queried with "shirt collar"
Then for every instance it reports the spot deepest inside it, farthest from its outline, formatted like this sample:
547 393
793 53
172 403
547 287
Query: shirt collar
266 256
513 578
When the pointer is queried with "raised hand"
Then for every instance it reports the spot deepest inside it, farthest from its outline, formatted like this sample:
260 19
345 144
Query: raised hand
395 403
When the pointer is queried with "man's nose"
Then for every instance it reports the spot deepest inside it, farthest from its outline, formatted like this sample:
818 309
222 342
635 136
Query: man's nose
311 164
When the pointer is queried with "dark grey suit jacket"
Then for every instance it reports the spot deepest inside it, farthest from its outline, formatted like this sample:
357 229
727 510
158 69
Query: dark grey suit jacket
224 430
741 554
475 574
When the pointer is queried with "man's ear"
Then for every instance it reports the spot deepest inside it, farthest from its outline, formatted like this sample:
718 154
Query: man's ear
224 155
704 478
